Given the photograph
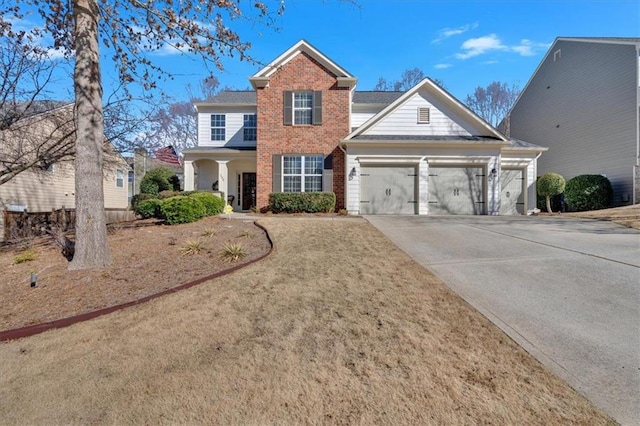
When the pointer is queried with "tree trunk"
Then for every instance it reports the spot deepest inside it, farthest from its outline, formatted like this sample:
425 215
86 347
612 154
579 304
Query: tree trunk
548 204
91 248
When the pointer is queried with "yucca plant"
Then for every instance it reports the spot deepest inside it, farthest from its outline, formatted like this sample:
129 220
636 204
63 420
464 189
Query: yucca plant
192 247
233 252
208 232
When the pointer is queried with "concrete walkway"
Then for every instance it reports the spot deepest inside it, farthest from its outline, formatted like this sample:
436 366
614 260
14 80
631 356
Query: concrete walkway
567 290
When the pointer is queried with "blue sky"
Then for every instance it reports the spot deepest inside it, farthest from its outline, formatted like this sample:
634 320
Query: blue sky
463 43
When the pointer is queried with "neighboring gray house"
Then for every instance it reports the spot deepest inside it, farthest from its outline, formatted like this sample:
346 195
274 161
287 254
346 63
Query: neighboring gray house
583 103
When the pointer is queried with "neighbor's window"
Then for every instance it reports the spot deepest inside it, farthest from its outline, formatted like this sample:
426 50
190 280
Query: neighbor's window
302 173
119 178
250 127
218 127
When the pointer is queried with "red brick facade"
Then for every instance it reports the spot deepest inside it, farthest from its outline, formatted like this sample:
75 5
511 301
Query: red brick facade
302 73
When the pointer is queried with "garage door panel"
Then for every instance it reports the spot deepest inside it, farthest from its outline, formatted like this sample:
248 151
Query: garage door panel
387 190
512 192
456 190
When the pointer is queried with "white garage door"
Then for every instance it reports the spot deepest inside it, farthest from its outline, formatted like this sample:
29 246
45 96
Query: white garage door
456 190
511 192
388 190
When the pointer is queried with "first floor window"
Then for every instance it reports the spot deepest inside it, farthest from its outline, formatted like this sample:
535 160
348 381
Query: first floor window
218 122
119 178
302 173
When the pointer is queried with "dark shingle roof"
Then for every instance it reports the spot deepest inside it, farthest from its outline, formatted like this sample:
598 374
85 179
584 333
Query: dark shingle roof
375 97
436 138
248 97
234 97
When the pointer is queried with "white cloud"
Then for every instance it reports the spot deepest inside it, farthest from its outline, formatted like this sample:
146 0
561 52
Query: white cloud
442 66
478 46
529 48
450 32
493 61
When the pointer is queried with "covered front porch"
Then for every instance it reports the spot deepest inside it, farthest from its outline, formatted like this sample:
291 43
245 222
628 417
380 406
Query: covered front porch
230 171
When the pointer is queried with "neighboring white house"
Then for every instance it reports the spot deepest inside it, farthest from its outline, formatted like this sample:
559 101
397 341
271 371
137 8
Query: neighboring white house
52 186
583 102
306 128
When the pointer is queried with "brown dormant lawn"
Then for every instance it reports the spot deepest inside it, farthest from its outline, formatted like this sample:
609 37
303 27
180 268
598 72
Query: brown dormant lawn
336 326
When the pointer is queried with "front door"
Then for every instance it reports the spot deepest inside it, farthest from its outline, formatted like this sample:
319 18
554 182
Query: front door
248 191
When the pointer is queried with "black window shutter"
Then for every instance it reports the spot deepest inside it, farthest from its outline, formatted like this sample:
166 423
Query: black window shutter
288 108
317 107
327 174
277 173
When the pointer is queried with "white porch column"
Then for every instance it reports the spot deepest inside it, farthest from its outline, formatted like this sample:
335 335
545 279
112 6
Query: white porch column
423 186
223 177
493 186
189 176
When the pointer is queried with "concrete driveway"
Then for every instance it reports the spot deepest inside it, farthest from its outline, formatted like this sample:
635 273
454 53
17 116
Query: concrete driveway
567 290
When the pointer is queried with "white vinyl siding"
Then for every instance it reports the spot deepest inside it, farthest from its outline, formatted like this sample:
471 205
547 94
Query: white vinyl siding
584 107
234 124
403 121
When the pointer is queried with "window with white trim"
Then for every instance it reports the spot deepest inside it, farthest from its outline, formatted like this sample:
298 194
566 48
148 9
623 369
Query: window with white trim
218 122
302 173
119 178
302 107
250 127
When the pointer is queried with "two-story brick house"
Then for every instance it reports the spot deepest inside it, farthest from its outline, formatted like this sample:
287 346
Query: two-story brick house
305 128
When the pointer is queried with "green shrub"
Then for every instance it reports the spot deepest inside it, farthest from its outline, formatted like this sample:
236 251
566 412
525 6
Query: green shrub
212 203
549 185
181 209
149 208
302 202
27 255
160 179
168 194
139 197
588 192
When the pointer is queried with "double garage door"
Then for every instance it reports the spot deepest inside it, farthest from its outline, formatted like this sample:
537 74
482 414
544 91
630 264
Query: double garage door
393 190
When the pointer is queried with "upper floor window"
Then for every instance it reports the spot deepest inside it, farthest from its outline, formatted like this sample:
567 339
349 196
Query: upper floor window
119 178
250 127
303 108
218 127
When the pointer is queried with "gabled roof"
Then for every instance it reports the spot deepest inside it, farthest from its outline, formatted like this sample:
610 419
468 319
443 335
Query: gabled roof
552 48
261 78
444 96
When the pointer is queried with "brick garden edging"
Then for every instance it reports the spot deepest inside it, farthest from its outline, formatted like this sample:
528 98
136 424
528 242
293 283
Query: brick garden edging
31 330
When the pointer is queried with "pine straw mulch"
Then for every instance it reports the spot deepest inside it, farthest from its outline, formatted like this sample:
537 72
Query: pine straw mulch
146 260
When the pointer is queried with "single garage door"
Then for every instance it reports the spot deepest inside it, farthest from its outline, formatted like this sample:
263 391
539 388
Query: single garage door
511 191
456 190
388 190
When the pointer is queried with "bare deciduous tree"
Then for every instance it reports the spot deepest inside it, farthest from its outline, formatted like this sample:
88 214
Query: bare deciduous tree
408 79
130 29
493 102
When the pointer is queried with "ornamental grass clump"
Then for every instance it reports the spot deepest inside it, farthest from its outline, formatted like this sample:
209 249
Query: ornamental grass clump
191 247
26 256
232 252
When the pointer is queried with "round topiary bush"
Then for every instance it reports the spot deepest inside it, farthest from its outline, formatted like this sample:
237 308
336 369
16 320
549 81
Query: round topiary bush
212 203
588 192
160 179
149 208
550 184
181 209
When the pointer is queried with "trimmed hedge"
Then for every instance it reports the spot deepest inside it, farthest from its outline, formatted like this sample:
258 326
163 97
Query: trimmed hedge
181 209
168 194
139 197
212 203
149 208
302 202
588 192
